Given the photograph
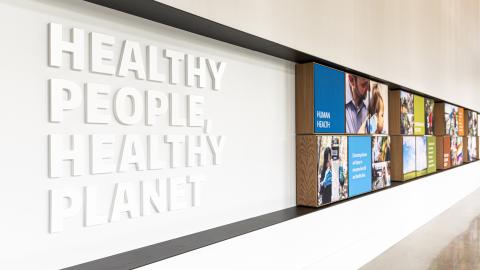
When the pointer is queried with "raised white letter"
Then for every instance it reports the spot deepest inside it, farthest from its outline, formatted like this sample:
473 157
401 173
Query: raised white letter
128 95
97 104
175 119
195 110
58 154
196 149
196 70
153 74
91 218
101 153
131 60
123 202
177 193
155 162
217 73
157 104
98 54
153 194
216 145
58 46
64 95
174 57
59 211
174 141
132 153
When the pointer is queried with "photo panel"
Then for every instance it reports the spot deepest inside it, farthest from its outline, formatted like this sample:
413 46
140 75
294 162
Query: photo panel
377 122
359 165
419 115
461 121
472 123
409 163
429 108
431 154
329 99
357 91
406 113
451 119
381 170
443 152
332 169
456 150
472 148
421 155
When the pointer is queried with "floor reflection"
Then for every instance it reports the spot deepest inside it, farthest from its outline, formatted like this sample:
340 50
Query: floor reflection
463 252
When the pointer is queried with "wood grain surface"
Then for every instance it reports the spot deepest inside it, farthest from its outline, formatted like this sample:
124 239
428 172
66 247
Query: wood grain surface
307 170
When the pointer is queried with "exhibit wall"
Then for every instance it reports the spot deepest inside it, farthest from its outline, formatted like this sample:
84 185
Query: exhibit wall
171 133
431 46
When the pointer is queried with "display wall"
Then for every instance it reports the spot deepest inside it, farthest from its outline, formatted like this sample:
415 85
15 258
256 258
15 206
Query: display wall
323 171
434 28
112 246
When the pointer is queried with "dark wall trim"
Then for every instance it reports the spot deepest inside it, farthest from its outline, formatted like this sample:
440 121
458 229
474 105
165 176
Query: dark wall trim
157 252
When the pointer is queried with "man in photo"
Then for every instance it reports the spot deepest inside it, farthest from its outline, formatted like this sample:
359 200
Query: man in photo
356 107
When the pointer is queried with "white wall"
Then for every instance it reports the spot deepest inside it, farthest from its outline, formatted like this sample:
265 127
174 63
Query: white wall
432 45
254 110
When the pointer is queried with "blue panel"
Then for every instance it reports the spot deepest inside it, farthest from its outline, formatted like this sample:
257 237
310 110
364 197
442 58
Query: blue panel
359 165
329 100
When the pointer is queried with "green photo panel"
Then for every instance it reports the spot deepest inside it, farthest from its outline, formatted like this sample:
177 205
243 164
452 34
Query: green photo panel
431 154
419 115
421 155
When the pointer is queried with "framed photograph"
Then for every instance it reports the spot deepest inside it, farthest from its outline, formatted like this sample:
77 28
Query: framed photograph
406 113
357 91
429 110
381 170
377 122
332 169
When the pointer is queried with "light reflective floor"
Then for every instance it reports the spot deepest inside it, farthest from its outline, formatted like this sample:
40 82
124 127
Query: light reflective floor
449 241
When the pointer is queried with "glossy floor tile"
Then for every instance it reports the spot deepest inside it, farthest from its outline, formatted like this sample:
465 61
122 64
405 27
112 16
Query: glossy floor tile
449 241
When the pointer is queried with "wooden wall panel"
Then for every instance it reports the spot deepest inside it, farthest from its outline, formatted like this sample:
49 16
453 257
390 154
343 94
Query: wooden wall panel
307 170
394 112
304 98
396 148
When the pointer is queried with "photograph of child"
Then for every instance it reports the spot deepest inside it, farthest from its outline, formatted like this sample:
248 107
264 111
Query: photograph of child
429 106
377 122
332 169
406 114
451 120
472 123
409 157
381 170
356 103
472 148
456 150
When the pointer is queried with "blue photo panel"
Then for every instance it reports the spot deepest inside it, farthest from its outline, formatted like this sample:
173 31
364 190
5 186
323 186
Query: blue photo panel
329 99
359 165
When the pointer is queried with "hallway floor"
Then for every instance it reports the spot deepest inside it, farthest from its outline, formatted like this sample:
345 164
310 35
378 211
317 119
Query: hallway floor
449 241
